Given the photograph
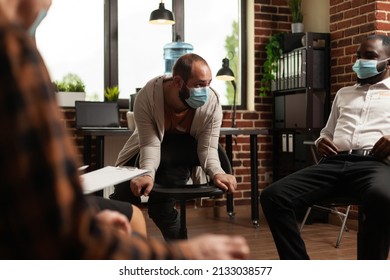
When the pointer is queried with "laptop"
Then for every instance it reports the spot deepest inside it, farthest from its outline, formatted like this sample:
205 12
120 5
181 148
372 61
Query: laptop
97 115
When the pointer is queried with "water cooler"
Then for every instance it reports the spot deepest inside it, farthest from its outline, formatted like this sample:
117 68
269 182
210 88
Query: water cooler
172 51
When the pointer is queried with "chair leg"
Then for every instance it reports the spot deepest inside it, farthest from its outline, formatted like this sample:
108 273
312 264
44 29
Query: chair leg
183 218
344 221
360 233
341 215
305 218
230 205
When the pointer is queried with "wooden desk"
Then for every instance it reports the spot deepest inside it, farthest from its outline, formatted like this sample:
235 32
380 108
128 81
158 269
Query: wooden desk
227 132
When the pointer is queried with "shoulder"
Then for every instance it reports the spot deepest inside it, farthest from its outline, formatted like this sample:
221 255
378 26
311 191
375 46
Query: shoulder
347 90
14 39
213 96
153 82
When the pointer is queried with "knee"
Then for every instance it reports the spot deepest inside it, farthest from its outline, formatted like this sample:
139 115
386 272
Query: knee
268 194
138 222
274 197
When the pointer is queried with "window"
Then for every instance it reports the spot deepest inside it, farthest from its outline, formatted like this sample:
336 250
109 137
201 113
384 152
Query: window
140 44
70 40
212 27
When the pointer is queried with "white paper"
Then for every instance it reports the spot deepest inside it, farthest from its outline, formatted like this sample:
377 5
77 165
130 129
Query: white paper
108 176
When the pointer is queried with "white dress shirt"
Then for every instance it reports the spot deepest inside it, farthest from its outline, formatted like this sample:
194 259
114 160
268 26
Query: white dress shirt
360 116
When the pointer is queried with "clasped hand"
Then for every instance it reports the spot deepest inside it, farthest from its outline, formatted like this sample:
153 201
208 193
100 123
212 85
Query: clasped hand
381 149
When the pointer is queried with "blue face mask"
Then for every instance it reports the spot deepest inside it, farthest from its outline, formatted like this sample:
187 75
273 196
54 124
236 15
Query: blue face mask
367 68
33 28
198 97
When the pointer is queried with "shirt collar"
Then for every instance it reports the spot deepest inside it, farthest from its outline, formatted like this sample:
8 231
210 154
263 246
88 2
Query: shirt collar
385 82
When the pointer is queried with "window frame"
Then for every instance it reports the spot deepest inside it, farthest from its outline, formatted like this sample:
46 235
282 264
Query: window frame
111 44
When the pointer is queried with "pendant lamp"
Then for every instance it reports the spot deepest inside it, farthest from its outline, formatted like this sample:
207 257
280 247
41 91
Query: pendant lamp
162 16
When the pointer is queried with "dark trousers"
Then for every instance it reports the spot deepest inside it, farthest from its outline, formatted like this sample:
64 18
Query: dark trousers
363 178
161 210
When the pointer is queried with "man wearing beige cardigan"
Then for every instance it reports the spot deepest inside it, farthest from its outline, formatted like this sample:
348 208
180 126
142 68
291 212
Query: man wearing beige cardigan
172 107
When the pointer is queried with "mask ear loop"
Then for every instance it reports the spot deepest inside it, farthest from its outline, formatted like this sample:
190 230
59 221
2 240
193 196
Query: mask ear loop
387 61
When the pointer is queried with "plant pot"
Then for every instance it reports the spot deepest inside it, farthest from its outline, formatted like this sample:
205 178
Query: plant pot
297 27
67 99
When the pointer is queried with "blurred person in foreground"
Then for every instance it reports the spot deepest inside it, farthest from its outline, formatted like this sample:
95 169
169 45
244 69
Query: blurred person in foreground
45 213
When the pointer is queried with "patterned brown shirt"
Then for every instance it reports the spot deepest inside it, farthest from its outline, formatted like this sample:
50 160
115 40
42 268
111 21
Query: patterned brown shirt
44 214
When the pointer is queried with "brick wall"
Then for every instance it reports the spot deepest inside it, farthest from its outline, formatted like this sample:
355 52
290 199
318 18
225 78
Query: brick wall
350 21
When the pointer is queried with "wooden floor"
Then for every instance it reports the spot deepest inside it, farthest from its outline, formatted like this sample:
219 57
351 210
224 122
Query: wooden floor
319 238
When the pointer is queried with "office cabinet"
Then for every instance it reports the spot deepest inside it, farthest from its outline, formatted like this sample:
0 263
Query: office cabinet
301 99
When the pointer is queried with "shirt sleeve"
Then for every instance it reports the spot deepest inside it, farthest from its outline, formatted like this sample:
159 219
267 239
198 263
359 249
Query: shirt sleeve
149 139
208 133
328 130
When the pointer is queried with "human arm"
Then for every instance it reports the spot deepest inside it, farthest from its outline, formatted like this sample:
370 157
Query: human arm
141 185
149 118
226 182
206 128
115 220
326 147
217 247
381 148
324 143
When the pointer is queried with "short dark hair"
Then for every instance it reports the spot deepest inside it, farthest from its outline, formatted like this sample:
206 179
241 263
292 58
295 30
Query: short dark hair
183 66
385 41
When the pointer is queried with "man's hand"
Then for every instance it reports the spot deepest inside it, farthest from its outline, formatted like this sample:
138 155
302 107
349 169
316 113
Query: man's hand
381 149
326 147
114 219
217 247
142 182
225 182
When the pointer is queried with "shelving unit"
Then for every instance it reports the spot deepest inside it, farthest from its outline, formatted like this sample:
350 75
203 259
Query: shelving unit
301 99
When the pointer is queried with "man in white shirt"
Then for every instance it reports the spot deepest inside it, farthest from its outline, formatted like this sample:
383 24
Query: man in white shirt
355 145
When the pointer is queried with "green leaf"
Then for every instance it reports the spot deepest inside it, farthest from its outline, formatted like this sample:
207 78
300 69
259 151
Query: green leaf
111 93
270 66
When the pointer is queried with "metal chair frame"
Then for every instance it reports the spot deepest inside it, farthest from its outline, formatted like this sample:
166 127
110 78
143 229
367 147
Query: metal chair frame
333 209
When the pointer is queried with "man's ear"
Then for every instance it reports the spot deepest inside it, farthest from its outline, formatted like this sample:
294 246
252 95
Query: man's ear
177 81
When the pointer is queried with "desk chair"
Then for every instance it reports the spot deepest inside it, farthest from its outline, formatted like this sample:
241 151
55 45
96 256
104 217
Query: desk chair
332 205
172 155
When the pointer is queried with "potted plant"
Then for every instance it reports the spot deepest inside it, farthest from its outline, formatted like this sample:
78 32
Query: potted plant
270 67
69 89
296 16
111 93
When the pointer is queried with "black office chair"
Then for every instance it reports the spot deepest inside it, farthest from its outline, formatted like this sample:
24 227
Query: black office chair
181 150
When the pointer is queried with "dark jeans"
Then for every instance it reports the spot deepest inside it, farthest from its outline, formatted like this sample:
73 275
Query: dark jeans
363 178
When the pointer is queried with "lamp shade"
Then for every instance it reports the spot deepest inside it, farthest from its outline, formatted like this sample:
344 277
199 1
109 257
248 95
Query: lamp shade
225 73
162 16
